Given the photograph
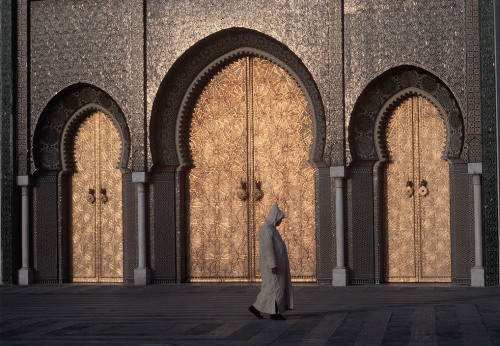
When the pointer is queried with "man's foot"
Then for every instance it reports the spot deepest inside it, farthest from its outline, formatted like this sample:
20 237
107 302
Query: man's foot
255 312
278 317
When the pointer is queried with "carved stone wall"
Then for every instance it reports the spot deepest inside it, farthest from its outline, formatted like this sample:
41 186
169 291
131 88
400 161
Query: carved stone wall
304 27
387 89
324 226
380 35
53 136
124 49
490 154
162 226
94 42
360 238
129 205
45 228
8 243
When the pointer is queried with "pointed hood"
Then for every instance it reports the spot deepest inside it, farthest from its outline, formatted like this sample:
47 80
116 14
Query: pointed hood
275 215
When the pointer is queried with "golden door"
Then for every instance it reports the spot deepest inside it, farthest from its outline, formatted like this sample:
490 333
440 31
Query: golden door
251 135
96 211
417 214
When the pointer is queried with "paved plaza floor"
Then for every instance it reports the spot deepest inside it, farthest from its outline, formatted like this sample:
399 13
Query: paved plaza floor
216 314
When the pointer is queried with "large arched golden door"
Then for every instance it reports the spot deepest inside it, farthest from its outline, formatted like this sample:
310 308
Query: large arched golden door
96 210
251 136
417 213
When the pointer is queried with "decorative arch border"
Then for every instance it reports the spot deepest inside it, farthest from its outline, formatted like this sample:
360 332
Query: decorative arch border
368 154
54 133
373 108
178 92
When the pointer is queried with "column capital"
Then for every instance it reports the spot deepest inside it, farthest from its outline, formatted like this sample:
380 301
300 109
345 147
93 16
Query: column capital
140 177
337 172
475 168
23 180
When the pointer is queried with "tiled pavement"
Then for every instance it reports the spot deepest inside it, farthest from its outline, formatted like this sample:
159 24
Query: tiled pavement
216 314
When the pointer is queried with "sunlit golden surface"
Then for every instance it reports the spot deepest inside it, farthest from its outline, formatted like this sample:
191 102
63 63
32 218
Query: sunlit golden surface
417 223
251 125
96 225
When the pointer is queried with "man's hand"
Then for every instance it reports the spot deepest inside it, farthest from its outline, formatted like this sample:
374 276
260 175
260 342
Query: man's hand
274 270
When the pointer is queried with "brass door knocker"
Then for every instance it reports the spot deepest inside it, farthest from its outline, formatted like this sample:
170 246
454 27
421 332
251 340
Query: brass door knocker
409 189
103 197
91 196
422 190
241 191
257 193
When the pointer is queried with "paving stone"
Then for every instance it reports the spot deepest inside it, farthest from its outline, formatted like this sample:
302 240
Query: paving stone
216 314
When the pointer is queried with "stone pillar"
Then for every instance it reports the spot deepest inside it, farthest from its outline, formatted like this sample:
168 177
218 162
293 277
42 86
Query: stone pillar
477 272
142 274
26 275
340 276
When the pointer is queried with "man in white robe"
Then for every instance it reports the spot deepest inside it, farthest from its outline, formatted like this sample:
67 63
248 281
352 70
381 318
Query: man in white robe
276 294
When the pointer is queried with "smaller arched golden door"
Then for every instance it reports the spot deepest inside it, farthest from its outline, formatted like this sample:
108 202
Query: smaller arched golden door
96 203
417 195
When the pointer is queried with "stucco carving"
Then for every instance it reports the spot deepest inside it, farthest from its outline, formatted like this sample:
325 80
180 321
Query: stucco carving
52 142
378 99
180 88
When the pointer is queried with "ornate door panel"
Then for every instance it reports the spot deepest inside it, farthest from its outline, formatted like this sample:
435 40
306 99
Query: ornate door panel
218 242
96 217
417 214
250 140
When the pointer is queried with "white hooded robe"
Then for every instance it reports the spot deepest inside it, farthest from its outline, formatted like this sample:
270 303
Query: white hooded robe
272 249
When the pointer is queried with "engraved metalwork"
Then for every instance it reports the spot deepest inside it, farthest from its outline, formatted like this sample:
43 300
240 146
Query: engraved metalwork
422 190
417 228
242 192
409 188
218 239
251 120
96 227
91 196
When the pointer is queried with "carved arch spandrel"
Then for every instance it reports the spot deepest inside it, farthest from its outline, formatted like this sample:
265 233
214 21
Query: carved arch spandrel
178 92
56 127
371 112
452 132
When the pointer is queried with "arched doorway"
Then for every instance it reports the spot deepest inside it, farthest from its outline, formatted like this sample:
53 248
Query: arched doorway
96 232
417 195
250 139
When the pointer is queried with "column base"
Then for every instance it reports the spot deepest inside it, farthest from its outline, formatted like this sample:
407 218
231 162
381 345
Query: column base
340 277
26 276
477 277
142 276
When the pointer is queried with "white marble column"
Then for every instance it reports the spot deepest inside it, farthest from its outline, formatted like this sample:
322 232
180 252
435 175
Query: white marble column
142 274
25 275
340 275
477 272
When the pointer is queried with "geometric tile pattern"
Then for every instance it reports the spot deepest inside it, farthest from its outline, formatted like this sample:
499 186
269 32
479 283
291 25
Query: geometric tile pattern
384 34
489 126
8 239
103 39
304 27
